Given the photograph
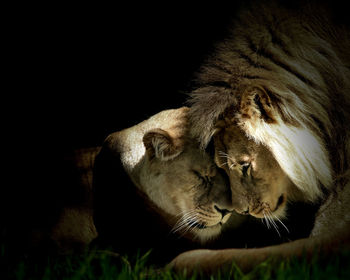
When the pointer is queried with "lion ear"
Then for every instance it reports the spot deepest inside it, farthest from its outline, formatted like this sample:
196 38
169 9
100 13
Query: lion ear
160 144
256 103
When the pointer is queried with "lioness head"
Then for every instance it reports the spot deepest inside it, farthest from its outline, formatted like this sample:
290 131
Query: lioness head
175 175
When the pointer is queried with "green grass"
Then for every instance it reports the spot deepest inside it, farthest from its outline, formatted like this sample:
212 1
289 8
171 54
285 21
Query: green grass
104 265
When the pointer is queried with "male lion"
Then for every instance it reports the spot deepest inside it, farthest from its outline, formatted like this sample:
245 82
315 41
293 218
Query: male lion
275 98
176 180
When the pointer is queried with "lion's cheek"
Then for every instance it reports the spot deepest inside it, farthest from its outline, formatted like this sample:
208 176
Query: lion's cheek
275 184
157 189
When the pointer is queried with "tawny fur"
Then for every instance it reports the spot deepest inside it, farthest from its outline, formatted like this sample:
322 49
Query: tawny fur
282 78
177 178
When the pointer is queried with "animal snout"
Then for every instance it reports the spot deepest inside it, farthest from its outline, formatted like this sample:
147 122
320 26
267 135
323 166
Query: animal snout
222 211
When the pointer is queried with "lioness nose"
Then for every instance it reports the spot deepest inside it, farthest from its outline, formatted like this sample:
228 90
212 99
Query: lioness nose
223 212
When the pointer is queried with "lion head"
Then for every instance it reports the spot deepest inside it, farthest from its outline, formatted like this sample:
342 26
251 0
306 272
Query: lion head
268 158
272 123
275 98
259 185
181 181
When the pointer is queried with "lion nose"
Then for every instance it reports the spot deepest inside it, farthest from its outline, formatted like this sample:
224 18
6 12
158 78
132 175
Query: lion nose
223 212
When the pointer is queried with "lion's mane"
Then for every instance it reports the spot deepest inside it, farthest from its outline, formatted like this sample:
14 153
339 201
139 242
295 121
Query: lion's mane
289 92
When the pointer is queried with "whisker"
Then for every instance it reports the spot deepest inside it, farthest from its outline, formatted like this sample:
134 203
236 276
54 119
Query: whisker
182 222
273 222
189 226
185 218
223 156
223 164
267 221
185 221
184 212
192 229
222 153
281 223
180 228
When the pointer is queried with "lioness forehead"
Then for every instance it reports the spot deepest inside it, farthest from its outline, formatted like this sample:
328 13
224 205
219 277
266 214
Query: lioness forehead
199 160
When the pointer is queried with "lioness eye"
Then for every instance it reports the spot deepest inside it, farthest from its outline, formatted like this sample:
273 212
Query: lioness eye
245 167
199 175
204 179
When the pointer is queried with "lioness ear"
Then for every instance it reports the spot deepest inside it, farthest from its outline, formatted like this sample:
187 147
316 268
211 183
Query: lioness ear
159 143
256 103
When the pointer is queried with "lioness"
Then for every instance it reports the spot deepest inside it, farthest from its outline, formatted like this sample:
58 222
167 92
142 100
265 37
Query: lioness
178 182
174 178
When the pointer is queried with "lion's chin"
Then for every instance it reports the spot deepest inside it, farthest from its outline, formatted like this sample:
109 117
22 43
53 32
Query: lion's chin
208 233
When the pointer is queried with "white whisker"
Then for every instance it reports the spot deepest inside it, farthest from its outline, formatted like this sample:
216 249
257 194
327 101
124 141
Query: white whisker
185 212
267 221
182 223
189 226
185 222
223 164
281 223
223 156
273 222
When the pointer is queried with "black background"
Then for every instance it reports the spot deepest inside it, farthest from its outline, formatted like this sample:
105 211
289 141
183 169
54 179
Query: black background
78 72
106 68
82 71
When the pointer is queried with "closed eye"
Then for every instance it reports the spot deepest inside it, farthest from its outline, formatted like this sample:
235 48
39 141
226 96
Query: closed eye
204 179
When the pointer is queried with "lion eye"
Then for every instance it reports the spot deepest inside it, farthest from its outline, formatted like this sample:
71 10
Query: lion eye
245 167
